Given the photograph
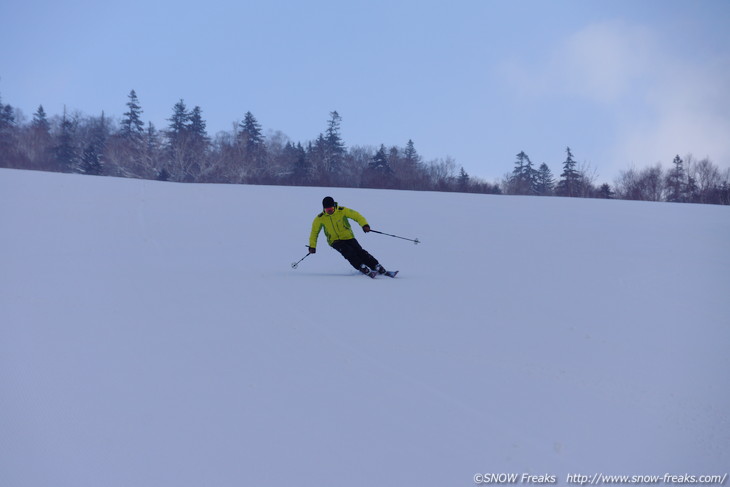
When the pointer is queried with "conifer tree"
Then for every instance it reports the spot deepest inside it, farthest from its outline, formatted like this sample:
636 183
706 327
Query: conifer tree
178 122
7 118
132 127
379 161
7 136
92 157
545 181
410 154
605 192
378 173
463 180
410 172
65 149
570 179
197 132
152 140
178 139
39 151
198 144
302 169
153 157
524 176
129 147
197 125
676 184
40 121
316 155
90 161
334 146
250 133
253 145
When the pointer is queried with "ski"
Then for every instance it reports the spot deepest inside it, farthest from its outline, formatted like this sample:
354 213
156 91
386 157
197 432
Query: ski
372 273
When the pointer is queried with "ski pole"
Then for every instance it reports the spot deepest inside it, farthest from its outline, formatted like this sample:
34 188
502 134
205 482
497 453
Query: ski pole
295 264
415 241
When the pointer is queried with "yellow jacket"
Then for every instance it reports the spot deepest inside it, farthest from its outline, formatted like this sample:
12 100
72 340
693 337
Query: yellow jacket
336 226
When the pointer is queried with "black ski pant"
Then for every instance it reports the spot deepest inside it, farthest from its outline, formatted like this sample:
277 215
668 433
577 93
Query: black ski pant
354 253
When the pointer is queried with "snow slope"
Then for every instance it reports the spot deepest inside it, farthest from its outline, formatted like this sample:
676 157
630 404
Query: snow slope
155 334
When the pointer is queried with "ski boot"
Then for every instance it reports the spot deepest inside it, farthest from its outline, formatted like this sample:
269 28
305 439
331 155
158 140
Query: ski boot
381 270
368 271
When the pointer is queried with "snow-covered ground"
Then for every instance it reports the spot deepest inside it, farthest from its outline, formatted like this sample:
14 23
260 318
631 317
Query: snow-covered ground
155 334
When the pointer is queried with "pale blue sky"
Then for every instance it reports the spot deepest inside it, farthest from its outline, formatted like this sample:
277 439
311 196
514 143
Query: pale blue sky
621 82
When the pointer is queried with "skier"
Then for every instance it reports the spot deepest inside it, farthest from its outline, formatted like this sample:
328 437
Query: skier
334 220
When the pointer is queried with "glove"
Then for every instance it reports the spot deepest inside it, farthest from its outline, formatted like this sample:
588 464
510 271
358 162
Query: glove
366 228
312 250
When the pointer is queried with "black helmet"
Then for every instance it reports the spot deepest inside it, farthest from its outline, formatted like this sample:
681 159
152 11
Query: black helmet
328 202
